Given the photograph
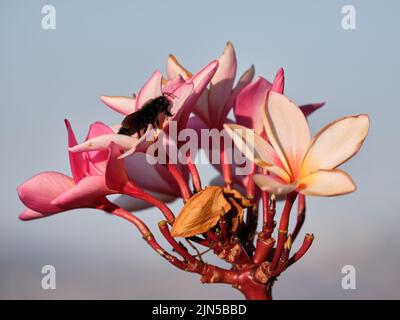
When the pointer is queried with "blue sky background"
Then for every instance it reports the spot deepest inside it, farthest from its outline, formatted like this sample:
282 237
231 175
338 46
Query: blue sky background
112 47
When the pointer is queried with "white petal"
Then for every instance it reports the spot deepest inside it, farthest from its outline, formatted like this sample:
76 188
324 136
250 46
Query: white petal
327 183
336 143
256 149
287 130
273 185
123 105
103 142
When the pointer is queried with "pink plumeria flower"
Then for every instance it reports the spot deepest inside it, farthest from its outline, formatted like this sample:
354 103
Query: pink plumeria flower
249 102
49 193
294 160
215 103
184 95
153 178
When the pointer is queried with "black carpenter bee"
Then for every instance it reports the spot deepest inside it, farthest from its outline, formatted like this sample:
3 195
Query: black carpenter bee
148 114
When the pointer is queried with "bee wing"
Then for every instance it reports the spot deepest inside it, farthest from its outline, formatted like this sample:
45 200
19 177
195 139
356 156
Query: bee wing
132 120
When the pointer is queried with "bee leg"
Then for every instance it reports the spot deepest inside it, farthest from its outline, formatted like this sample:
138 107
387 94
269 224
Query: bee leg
156 124
140 133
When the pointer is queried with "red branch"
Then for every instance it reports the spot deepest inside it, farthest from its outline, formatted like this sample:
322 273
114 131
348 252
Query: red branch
265 206
263 249
283 228
308 240
301 215
194 174
253 271
181 181
179 248
226 169
146 233
134 192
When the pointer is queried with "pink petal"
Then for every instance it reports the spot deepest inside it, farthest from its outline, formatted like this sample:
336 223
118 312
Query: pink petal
116 176
244 80
141 145
196 124
182 106
174 68
173 84
38 192
150 90
279 82
239 172
181 93
336 143
29 214
287 130
250 103
201 108
98 159
222 82
76 161
273 184
327 183
123 105
200 97
310 108
102 143
256 149
150 176
85 194
201 79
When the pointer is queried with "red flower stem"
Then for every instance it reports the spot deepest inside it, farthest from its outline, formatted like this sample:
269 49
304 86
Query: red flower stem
251 186
181 181
214 274
194 174
178 248
271 213
224 229
210 273
265 205
284 257
263 250
301 215
308 240
252 212
283 228
212 236
282 263
135 192
203 242
212 239
146 233
226 169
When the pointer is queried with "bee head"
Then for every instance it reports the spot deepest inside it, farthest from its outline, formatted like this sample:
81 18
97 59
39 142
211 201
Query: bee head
164 101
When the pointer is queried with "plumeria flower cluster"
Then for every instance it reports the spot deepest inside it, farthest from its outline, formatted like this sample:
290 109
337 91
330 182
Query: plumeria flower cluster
260 122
